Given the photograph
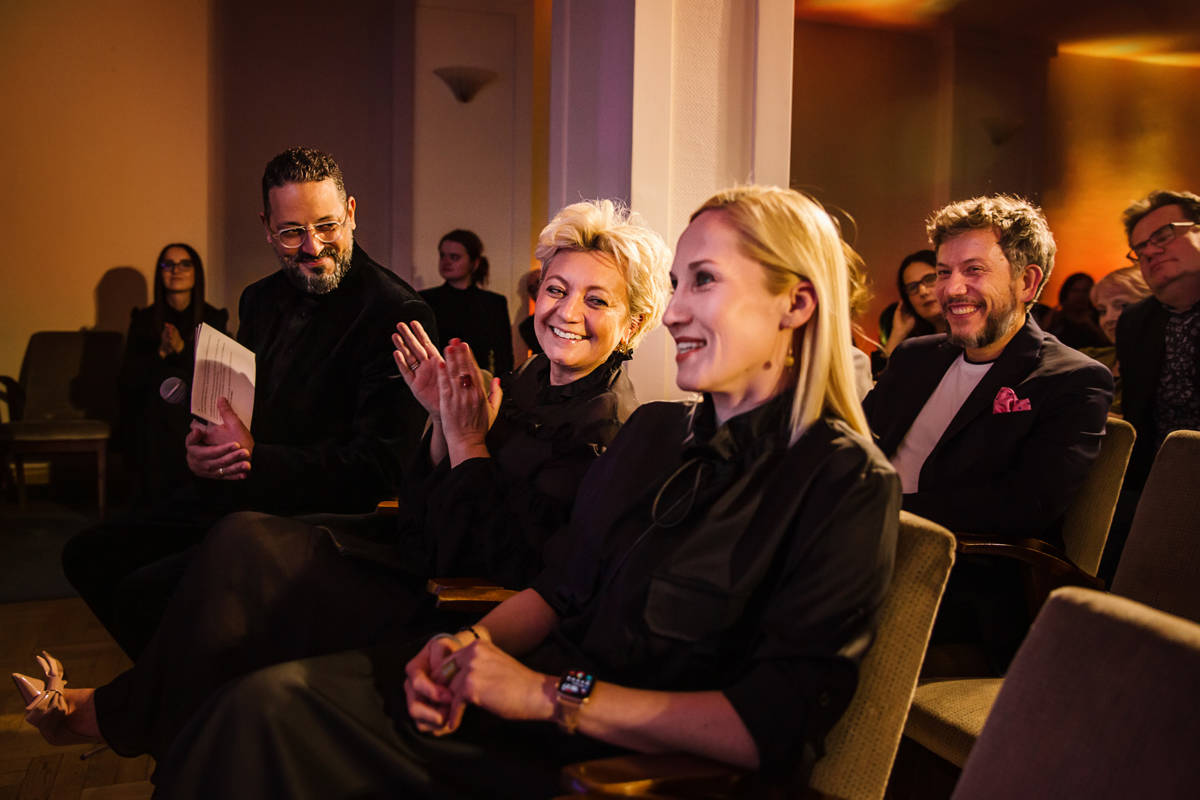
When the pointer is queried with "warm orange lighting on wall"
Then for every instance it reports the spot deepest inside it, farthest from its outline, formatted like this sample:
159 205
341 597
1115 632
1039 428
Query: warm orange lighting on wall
887 13
1174 51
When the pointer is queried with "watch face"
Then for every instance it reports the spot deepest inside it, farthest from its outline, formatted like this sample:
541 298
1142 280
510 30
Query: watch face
576 684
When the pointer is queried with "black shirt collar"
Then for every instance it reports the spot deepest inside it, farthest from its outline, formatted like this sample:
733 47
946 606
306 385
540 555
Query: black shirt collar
742 437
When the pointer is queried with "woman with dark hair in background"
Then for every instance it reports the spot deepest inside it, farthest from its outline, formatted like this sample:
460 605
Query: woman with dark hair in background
917 313
1074 321
464 310
159 345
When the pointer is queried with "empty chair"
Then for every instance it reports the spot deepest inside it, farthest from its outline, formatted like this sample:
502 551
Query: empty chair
61 404
1160 564
1100 703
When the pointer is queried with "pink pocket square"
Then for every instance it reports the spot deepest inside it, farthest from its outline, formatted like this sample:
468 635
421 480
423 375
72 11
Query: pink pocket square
1006 401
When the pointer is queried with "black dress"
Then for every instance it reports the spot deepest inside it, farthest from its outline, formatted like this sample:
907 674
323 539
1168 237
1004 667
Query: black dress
723 560
492 517
479 318
152 431
263 589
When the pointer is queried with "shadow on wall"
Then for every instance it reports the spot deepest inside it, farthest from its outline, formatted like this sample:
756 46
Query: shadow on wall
119 291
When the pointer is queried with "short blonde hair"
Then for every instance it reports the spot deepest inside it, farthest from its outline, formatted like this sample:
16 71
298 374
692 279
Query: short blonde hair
639 253
795 239
1127 279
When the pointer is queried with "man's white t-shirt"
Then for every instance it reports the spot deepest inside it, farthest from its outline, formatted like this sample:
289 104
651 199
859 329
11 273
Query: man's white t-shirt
927 429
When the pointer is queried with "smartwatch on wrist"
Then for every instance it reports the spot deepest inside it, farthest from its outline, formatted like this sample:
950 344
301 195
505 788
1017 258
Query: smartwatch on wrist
574 689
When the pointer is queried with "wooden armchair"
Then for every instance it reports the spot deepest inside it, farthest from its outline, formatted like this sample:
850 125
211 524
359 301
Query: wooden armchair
1085 527
861 747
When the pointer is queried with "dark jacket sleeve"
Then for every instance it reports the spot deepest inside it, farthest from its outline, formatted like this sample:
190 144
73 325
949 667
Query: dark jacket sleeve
820 621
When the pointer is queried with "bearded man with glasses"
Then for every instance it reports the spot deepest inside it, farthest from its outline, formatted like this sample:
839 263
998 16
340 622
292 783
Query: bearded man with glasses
1158 340
331 427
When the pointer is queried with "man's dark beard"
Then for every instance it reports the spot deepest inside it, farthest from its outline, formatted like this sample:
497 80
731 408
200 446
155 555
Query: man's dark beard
316 284
996 325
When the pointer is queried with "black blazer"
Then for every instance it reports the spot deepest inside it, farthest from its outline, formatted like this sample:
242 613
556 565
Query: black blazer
333 419
1140 342
1009 474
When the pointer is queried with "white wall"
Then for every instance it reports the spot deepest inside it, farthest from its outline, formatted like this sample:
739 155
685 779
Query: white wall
699 102
105 156
472 161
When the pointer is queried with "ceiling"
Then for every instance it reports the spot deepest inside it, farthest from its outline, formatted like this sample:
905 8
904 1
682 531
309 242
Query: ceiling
1158 31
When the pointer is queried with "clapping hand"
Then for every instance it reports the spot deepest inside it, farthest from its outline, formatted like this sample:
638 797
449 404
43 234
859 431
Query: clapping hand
468 404
418 359
170 342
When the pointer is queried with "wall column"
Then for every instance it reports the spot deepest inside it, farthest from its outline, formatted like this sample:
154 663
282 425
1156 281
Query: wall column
661 103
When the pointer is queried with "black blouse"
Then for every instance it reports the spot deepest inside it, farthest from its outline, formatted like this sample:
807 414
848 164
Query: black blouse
492 517
151 432
722 558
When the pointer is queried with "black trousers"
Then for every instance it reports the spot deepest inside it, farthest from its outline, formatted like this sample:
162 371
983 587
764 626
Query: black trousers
258 590
335 727
127 569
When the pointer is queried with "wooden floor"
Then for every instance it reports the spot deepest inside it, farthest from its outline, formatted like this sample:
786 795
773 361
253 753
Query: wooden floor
30 769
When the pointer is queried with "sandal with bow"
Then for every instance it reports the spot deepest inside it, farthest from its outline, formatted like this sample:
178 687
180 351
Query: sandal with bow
45 706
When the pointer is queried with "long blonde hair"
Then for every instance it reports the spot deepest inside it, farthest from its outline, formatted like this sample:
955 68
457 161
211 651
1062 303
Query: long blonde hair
795 240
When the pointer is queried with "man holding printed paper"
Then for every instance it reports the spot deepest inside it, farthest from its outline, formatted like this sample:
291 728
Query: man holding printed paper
331 425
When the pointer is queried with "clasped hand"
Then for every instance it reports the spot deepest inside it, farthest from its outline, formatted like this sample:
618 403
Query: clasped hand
220 451
446 676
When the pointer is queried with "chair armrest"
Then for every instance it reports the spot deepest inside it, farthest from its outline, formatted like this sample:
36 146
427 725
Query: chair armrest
1043 557
654 775
1048 567
467 594
388 508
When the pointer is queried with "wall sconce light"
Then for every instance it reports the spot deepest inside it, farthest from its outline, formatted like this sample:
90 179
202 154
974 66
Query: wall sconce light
465 82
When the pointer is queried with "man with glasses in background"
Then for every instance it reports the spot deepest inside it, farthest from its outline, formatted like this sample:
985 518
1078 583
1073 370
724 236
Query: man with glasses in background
332 424
1158 340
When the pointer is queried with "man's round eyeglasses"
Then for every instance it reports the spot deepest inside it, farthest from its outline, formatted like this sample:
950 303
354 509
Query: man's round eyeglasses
1160 239
184 263
323 232
912 287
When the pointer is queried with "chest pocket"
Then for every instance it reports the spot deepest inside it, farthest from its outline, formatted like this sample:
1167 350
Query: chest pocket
689 612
